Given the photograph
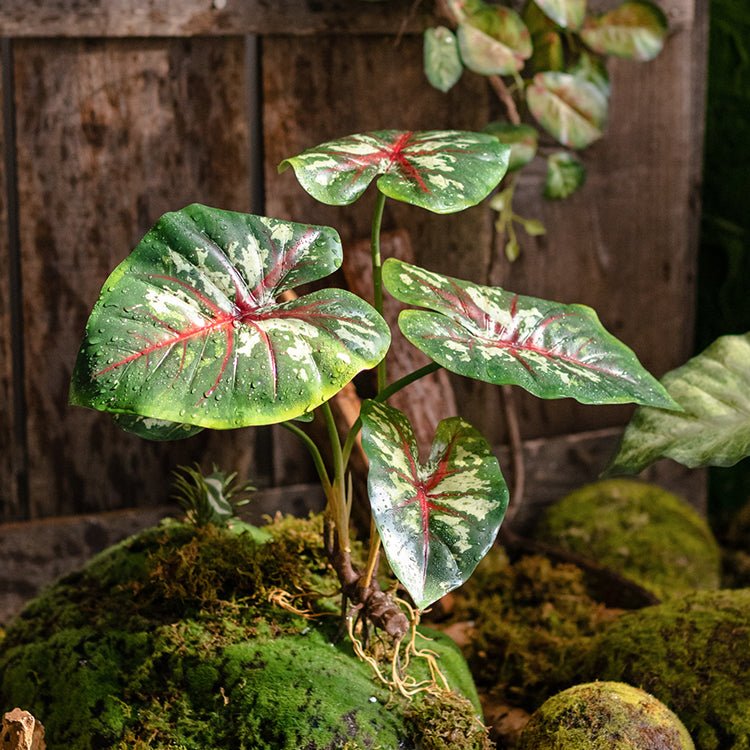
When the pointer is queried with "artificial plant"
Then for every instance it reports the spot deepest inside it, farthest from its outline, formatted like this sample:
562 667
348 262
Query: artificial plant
190 332
550 60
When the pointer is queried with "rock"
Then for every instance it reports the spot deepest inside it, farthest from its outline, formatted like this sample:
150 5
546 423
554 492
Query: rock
639 530
604 716
694 655
21 731
168 640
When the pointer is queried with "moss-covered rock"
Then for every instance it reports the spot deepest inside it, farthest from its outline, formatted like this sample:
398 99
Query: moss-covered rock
604 716
168 640
694 655
533 623
640 530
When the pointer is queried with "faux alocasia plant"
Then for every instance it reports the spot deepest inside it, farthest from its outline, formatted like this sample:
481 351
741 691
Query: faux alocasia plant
190 332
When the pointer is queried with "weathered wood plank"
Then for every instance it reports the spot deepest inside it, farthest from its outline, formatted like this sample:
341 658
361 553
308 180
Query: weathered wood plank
9 468
139 18
111 135
35 553
323 88
625 244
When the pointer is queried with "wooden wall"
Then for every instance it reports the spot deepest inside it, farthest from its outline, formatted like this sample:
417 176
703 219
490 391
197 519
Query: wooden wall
116 111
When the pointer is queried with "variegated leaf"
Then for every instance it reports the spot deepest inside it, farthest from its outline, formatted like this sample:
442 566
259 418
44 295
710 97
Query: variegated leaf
571 109
550 349
592 68
493 40
565 174
635 30
566 13
713 388
155 429
521 139
442 63
443 171
438 519
187 328
546 39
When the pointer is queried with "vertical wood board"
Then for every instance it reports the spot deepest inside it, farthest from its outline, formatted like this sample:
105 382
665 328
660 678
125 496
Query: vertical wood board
323 88
111 134
625 243
9 505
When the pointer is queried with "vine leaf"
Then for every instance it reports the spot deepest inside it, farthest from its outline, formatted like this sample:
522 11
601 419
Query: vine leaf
635 30
565 174
521 139
592 68
443 171
570 108
438 519
546 39
713 430
187 328
566 13
442 63
494 40
550 349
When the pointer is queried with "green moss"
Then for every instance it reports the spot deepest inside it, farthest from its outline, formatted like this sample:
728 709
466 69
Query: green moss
168 640
692 654
534 621
604 716
640 530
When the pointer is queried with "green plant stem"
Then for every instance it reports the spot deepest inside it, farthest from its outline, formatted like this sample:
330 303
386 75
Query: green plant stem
337 505
377 275
384 395
314 452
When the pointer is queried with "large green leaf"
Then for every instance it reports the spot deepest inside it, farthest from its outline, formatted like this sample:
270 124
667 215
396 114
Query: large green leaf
714 429
187 328
570 108
566 13
443 170
442 63
550 349
494 40
521 139
438 519
635 30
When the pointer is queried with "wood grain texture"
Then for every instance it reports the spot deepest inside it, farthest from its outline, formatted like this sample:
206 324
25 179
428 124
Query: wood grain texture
624 244
111 135
319 89
9 505
138 18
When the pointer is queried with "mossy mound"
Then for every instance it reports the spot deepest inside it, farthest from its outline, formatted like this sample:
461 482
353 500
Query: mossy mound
694 655
604 716
639 530
168 640
533 623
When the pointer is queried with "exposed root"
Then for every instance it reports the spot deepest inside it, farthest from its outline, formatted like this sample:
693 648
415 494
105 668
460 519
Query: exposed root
285 600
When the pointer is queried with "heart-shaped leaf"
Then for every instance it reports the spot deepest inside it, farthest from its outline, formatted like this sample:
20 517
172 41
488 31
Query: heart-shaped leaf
566 13
550 349
592 68
635 30
442 63
155 429
521 139
493 40
437 520
565 174
571 109
187 328
714 428
443 171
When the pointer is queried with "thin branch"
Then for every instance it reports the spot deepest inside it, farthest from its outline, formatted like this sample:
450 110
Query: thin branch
504 95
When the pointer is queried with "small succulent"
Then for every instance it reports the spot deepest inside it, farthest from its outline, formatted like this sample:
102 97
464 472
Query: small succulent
211 499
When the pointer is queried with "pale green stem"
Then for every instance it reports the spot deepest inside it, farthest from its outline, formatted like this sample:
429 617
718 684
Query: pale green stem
314 452
337 505
377 275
